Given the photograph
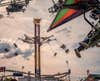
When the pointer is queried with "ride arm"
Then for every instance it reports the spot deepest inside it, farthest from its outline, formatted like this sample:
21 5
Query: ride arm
88 20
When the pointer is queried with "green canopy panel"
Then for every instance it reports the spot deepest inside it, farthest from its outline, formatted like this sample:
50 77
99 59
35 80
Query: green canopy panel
65 15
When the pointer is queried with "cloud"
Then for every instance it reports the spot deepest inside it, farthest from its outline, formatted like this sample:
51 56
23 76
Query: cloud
10 50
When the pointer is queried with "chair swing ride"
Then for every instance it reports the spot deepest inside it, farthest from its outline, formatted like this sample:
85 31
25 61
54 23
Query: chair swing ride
69 9
15 5
66 10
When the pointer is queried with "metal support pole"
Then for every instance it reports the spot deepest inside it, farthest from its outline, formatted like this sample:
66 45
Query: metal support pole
37 50
29 77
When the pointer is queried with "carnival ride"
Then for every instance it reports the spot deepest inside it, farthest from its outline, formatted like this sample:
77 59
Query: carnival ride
16 73
15 5
44 40
69 9
76 8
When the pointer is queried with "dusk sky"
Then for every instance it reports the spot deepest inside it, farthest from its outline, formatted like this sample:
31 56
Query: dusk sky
69 34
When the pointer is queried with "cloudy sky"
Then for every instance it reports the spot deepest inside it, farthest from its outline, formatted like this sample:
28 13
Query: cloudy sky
17 24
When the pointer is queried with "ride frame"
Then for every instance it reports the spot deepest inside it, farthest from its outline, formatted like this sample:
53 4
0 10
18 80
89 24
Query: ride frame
37 49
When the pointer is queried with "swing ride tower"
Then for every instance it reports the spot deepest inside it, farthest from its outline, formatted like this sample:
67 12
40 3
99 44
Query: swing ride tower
37 49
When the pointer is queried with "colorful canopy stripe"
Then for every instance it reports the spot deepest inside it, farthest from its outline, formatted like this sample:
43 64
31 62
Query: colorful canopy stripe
65 15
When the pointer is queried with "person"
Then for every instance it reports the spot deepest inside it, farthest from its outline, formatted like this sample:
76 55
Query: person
61 1
26 2
7 10
92 39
